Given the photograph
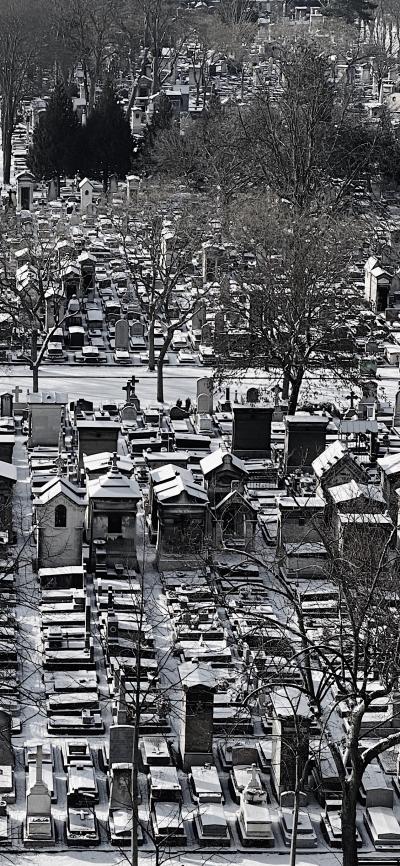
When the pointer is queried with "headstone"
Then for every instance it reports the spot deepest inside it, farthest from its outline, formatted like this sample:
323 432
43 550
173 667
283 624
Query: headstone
242 754
203 404
6 405
219 322
196 739
132 187
121 744
177 413
205 388
396 416
38 806
113 183
206 334
128 413
252 395
252 430
6 749
122 334
137 329
305 438
52 190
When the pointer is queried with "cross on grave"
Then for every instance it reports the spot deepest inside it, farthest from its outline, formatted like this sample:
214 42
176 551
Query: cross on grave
352 396
276 392
17 391
130 387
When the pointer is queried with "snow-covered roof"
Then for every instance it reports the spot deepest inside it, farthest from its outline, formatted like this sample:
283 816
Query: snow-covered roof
7 470
103 460
170 481
113 485
59 486
218 458
390 464
199 674
353 490
329 458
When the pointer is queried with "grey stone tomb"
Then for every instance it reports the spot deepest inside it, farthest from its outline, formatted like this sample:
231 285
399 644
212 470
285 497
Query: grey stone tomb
122 334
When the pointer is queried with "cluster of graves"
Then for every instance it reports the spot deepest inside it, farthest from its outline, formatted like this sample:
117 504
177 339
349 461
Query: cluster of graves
152 616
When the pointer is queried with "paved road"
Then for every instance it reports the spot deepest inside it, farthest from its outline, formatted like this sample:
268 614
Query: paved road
104 384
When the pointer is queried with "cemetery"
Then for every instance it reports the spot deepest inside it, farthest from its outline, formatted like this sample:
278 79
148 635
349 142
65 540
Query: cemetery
199 594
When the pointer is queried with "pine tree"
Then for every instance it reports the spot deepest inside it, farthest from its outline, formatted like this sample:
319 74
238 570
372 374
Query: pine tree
108 139
162 119
56 139
350 10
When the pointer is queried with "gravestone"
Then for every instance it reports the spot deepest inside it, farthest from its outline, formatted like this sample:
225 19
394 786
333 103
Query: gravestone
396 416
196 722
206 334
131 396
177 413
305 438
122 334
219 322
6 749
38 806
199 317
137 329
6 405
121 744
203 403
52 190
242 754
132 187
128 413
252 430
113 187
252 395
205 390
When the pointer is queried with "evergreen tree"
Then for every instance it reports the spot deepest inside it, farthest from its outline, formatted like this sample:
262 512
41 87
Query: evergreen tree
56 139
162 120
108 139
350 10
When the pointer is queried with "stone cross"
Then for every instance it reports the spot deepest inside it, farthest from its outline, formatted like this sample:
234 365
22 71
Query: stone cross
352 396
17 391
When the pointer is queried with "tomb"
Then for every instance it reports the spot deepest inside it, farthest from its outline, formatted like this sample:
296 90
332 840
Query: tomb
252 430
211 826
336 466
196 719
113 500
81 827
60 515
290 737
305 833
25 185
38 827
305 439
219 470
179 513
168 826
45 412
97 436
254 819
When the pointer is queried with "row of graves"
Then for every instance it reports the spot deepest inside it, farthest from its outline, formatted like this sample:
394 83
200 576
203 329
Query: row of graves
183 642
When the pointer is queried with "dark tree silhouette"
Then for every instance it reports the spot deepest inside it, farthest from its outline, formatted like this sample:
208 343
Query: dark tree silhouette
108 139
56 139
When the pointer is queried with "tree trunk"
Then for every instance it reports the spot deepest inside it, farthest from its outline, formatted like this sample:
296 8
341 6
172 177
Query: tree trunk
295 824
349 826
160 369
86 86
7 150
286 384
295 391
152 362
34 361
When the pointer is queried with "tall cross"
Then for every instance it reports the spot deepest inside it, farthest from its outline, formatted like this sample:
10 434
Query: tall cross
17 391
352 396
